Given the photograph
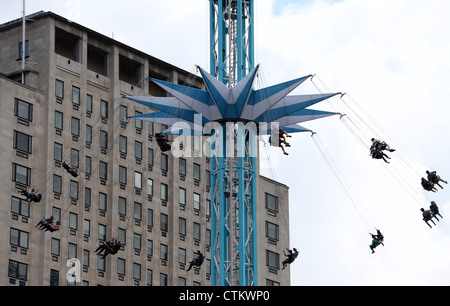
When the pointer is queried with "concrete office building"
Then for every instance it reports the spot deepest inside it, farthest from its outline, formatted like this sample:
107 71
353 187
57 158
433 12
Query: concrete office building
67 105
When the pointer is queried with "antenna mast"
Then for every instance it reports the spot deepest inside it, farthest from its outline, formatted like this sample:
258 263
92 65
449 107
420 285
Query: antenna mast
23 43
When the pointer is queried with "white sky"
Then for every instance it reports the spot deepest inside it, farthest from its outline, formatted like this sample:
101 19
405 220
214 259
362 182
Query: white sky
392 60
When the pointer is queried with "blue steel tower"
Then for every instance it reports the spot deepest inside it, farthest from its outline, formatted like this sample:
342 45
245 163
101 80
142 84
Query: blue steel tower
233 171
232 114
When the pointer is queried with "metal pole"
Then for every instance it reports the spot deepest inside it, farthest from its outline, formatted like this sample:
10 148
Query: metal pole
23 42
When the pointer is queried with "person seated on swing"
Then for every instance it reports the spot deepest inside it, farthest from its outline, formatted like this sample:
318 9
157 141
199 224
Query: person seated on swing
162 141
435 210
281 141
70 169
54 226
434 178
282 134
427 185
31 195
197 261
379 154
113 248
106 245
376 240
48 225
42 224
427 216
380 145
291 256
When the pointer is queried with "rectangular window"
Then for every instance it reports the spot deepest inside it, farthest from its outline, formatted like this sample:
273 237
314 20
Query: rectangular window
74 190
56 213
102 201
208 237
150 187
57 151
73 221
137 211
55 246
103 140
271 202
103 109
74 157
138 150
86 258
149 277
182 226
27 49
59 89
136 271
196 172
88 165
137 180
123 144
75 126
122 206
88 134
163 279
196 201
137 241
17 270
123 113
87 196
58 120
272 230
22 142
196 231
102 233
101 263
88 103
138 122
150 217
18 238
182 256
122 235
72 250
208 178
21 174
164 162
103 170
150 157
75 95
150 247
182 169
164 192
182 193
23 110
164 222
121 266
20 206
122 175
164 252
272 259
150 128
86 227
57 184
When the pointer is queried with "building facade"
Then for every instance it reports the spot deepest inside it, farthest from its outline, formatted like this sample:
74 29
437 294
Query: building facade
68 105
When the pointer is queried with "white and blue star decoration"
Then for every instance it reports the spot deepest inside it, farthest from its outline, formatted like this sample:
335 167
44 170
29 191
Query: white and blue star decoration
221 103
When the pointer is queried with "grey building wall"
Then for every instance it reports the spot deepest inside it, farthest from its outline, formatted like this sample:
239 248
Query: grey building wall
105 70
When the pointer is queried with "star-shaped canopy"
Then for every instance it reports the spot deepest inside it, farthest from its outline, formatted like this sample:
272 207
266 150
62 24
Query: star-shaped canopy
239 103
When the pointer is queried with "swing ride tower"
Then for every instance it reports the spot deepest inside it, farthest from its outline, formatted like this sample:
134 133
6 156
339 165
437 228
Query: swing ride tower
233 169
232 114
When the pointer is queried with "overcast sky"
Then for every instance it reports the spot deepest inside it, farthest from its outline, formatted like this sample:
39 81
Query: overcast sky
391 58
